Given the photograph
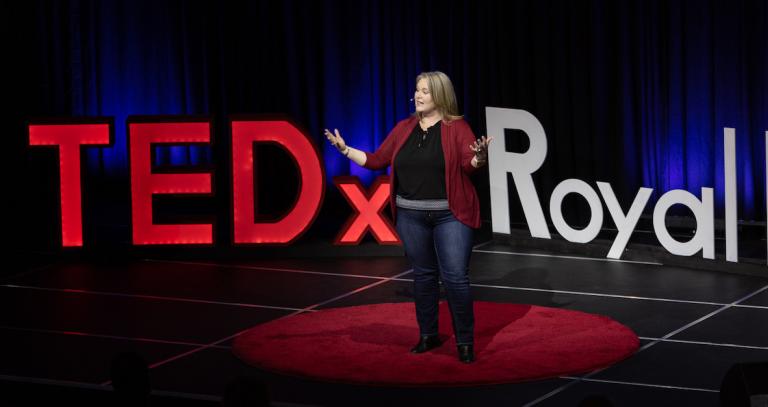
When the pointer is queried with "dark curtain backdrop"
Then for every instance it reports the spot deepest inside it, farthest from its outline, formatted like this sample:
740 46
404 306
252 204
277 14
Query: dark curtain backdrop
635 93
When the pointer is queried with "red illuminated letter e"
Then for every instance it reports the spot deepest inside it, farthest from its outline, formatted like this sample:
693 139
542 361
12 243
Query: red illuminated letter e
144 183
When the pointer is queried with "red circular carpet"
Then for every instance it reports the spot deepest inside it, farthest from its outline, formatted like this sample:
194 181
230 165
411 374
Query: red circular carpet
370 345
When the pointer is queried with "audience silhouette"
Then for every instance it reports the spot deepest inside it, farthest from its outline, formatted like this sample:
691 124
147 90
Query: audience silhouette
130 380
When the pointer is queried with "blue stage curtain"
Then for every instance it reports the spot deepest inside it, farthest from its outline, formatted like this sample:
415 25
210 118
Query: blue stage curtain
635 93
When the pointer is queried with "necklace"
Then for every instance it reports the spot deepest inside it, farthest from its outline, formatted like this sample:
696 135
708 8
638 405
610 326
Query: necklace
425 132
423 137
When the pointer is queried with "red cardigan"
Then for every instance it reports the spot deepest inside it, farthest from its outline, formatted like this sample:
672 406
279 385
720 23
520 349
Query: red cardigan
456 137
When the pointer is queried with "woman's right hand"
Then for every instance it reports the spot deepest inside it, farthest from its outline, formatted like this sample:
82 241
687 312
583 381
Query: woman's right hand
336 140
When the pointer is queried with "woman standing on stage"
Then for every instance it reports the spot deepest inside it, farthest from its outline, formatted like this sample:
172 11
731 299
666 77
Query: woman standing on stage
432 154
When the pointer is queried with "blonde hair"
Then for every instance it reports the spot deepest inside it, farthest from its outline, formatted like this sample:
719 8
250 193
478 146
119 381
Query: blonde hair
441 89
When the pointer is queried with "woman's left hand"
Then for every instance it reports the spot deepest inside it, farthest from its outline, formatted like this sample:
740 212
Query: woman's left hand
480 147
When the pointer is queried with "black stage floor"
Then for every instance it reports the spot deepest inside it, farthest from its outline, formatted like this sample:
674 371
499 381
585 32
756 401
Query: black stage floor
64 319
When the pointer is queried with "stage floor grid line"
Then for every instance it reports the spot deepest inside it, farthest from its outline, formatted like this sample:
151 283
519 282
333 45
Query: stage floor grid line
634 297
185 354
649 345
195 367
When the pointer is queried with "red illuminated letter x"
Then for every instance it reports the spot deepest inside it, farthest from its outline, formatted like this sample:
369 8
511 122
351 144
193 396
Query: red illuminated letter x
369 207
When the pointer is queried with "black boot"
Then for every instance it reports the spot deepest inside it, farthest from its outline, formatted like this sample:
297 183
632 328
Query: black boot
466 353
426 343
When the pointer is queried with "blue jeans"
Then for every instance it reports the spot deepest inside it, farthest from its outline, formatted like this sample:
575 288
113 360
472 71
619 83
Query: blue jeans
437 244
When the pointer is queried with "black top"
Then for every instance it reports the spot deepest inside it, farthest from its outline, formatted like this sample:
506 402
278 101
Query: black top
420 165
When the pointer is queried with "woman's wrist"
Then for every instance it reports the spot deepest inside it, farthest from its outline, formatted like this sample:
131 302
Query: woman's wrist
346 151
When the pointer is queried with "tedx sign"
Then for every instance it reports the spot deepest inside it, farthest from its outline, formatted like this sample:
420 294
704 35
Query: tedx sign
70 138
